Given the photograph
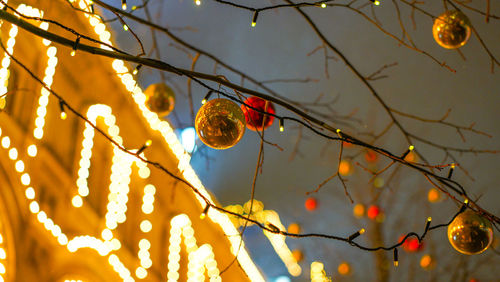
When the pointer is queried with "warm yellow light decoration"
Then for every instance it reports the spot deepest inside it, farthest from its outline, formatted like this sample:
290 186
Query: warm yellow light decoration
43 100
155 124
32 150
199 259
318 272
169 136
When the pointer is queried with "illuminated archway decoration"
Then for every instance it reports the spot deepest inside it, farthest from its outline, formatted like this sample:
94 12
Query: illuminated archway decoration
109 244
199 258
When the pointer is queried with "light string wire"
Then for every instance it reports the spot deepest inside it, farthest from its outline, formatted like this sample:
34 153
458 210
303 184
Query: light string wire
456 187
157 165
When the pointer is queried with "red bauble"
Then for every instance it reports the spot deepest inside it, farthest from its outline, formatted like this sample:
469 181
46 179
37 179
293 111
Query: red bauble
371 156
373 212
255 120
311 204
411 244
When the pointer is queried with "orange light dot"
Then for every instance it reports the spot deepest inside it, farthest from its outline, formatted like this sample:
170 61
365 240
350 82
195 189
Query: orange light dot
345 168
411 157
311 204
359 210
371 156
344 268
294 228
373 212
434 195
427 262
298 255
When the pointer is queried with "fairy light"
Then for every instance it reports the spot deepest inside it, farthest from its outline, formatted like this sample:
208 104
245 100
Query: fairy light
124 5
323 5
254 18
32 150
197 2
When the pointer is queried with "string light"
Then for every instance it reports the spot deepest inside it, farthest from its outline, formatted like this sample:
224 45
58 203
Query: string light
395 257
75 46
63 112
197 2
205 99
375 2
356 235
124 5
254 18
281 124
323 5
452 168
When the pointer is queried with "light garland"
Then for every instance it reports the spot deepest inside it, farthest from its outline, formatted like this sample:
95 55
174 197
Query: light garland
199 259
177 149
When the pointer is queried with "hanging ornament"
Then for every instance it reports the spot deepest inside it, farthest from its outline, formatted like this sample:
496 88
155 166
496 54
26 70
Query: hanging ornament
160 98
470 233
371 156
298 255
434 195
451 29
344 268
311 204
359 210
294 228
257 120
411 244
220 124
427 262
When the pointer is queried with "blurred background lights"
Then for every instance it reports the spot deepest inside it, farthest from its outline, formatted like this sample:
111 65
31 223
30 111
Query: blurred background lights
282 278
188 139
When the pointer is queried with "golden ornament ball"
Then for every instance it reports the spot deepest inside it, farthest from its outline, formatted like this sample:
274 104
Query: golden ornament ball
220 123
434 195
160 98
451 29
470 233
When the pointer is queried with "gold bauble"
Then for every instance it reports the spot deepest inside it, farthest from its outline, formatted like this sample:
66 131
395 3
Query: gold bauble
470 233
451 29
220 123
160 99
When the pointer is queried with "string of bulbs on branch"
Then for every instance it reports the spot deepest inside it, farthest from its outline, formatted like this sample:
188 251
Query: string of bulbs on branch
220 124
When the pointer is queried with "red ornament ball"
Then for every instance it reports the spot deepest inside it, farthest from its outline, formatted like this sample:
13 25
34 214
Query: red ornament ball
257 120
373 212
311 204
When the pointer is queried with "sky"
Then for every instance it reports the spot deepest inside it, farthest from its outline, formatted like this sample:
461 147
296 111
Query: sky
279 47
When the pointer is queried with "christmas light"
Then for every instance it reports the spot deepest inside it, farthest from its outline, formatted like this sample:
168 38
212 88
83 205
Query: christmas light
254 18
